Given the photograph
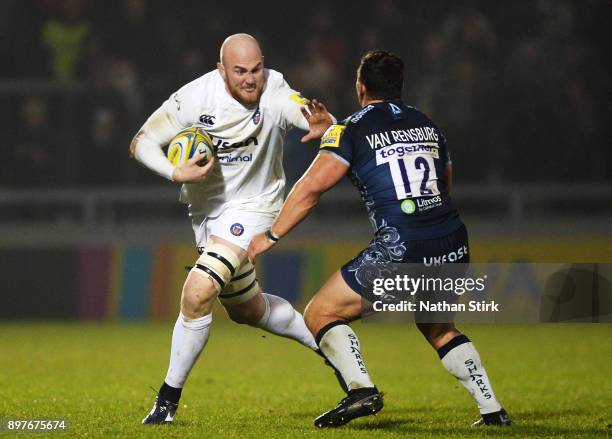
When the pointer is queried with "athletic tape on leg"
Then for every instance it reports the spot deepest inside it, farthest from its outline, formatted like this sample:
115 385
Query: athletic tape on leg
219 263
242 287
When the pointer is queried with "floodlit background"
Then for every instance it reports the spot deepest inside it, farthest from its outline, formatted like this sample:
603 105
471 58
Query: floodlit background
521 90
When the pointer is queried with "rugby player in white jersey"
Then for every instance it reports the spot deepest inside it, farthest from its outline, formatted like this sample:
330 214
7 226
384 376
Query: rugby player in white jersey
247 109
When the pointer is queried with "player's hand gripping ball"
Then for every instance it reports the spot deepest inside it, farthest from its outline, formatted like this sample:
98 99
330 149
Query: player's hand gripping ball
188 143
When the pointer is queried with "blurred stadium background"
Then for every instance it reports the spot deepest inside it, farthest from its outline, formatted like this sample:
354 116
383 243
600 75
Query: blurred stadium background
521 90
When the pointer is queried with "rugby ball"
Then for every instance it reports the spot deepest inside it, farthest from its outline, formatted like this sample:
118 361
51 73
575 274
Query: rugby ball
188 143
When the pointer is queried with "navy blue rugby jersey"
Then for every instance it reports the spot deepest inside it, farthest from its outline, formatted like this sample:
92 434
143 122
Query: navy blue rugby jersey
396 158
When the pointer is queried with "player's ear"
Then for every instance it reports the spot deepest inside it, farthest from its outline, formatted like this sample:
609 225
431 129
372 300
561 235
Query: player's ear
361 88
221 69
361 91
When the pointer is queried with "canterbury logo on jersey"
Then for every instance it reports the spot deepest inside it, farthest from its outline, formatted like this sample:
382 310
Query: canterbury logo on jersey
395 108
207 119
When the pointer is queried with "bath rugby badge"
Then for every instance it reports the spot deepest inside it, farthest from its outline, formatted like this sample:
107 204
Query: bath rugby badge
256 116
237 229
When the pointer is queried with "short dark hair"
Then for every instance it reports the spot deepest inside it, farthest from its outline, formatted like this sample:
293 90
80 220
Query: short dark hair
382 73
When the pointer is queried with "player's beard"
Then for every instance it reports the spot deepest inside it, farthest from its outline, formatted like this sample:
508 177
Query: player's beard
246 98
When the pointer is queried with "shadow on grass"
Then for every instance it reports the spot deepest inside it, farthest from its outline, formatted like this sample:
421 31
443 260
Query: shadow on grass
396 412
385 424
524 426
417 421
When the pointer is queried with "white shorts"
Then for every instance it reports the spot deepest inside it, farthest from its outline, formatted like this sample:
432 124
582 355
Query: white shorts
233 224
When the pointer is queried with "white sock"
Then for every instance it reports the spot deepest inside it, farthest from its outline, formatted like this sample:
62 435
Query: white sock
281 319
341 348
461 359
188 341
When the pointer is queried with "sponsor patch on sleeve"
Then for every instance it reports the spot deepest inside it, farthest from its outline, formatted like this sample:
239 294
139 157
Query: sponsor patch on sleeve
298 99
331 138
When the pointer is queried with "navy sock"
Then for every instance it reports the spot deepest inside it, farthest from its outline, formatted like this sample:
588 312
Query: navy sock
169 393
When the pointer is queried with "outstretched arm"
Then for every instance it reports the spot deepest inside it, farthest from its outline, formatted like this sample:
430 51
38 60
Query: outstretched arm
318 118
324 172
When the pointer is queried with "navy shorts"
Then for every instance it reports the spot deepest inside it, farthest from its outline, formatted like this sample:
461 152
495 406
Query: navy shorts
388 248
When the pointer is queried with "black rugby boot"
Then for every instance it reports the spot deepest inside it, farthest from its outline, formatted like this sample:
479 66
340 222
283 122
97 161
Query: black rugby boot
359 402
496 418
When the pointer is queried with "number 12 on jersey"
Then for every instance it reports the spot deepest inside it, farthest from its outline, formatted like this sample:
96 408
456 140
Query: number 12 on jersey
413 173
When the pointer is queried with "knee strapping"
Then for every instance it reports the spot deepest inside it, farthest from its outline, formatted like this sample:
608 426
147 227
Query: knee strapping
242 287
219 262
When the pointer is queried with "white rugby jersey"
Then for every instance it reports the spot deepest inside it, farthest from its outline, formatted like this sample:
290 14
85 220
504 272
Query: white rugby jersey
249 169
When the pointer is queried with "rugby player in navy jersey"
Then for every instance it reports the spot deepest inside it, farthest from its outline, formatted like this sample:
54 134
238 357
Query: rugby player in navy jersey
398 159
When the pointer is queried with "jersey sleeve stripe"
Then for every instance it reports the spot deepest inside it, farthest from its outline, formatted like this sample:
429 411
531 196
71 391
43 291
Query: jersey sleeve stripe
339 157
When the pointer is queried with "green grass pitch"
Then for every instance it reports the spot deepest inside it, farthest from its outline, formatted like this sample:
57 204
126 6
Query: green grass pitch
554 380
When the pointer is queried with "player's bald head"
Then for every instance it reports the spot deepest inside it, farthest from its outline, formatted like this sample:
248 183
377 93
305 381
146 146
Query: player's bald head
239 48
241 67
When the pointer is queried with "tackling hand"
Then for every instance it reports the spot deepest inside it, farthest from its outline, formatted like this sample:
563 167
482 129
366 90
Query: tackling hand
191 172
258 245
318 118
